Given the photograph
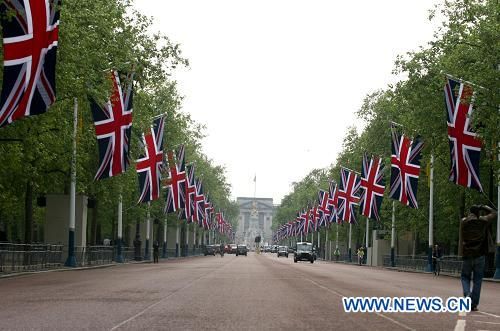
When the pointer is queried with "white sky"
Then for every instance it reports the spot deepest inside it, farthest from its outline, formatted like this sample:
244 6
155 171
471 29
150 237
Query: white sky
277 82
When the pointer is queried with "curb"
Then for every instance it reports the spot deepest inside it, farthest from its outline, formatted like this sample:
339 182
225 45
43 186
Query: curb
445 274
100 266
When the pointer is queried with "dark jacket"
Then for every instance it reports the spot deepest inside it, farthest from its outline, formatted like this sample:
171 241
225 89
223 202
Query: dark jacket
475 234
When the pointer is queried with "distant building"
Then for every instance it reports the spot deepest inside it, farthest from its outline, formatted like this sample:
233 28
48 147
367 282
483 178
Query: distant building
256 218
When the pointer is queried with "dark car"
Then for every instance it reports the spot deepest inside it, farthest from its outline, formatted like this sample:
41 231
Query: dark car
282 251
241 250
303 252
209 250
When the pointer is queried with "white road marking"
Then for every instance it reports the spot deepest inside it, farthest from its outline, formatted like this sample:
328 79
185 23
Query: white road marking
378 314
460 325
496 323
168 296
488 314
462 314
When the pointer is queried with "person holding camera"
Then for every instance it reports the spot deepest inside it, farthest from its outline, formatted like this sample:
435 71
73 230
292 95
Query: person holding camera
476 242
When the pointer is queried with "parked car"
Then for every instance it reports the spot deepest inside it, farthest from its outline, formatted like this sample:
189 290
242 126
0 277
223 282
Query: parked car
209 250
231 249
241 250
282 251
304 252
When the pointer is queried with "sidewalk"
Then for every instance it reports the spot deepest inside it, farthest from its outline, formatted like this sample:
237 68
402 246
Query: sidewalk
446 274
107 265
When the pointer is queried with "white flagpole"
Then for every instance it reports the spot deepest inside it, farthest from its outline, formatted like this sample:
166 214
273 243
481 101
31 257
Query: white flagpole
393 233
119 256
71 260
165 229
147 256
350 237
431 216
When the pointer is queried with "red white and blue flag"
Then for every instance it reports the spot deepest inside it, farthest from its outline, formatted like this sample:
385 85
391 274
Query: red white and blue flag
199 203
324 208
305 223
333 202
348 195
405 168
113 126
465 146
189 193
150 165
31 33
373 186
175 181
208 210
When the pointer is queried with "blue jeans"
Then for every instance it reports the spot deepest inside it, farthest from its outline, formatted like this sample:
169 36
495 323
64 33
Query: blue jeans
473 268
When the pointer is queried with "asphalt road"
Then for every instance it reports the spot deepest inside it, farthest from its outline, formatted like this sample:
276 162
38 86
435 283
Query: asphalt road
258 292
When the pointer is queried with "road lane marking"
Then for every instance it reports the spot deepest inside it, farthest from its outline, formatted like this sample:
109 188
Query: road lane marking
168 296
487 322
404 326
489 314
460 325
462 314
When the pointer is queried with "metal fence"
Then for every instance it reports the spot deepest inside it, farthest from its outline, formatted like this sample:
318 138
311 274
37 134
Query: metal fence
29 257
448 264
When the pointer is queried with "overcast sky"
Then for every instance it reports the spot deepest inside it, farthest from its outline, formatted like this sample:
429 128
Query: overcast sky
277 82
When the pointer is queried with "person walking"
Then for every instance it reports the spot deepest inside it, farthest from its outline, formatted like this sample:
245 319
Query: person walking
156 251
361 254
476 243
436 259
221 250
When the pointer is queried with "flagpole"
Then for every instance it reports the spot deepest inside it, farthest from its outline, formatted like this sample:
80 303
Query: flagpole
350 237
367 239
326 241
147 256
165 229
431 216
119 256
71 260
393 233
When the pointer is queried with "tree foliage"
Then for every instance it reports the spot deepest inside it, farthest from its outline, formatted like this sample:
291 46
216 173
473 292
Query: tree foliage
95 38
466 45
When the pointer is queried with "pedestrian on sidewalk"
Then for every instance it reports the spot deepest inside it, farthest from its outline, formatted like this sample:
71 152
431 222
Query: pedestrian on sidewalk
156 251
476 242
436 259
361 254
336 253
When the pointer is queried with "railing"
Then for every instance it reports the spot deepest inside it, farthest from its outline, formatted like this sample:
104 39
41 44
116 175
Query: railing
448 264
29 257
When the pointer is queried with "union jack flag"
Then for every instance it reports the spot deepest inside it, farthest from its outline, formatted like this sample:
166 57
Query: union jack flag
405 168
198 203
348 195
465 146
113 126
314 215
305 221
29 51
149 166
188 197
333 202
373 185
208 209
324 208
176 181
